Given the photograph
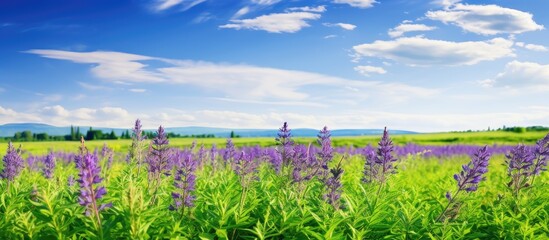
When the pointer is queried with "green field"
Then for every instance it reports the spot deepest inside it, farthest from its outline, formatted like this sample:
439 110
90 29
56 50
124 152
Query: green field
470 138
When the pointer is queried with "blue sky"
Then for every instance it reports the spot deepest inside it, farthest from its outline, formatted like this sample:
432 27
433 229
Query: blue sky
407 64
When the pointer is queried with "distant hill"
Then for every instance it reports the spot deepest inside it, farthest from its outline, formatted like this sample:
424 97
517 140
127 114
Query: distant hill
8 130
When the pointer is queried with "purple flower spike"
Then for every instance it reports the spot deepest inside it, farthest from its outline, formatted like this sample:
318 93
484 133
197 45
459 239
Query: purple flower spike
541 153
325 154
472 173
184 182
333 186
13 163
285 140
88 177
49 165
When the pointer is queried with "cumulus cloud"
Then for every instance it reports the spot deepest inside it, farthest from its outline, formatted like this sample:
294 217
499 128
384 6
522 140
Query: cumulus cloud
367 70
290 22
420 51
486 19
533 47
346 26
357 3
406 27
522 75
162 5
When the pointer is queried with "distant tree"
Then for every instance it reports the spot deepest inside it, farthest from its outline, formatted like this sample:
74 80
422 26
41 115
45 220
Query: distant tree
26 136
232 134
78 134
112 135
73 134
42 137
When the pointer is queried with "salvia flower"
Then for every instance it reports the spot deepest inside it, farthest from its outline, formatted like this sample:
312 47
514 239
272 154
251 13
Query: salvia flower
285 140
13 163
325 154
246 168
370 169
159 156
49 165
333 186
384 156
90 192
541 153
213 157
135 153
184 182
519 162
473 173
468 179
229 152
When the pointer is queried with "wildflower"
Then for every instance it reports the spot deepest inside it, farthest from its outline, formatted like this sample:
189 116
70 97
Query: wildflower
333 186
384 157
325 154
541 153
158 159
88 177
229 153
13 163
49 165
468 179
370 170
184 182
245 167
285 140
472 173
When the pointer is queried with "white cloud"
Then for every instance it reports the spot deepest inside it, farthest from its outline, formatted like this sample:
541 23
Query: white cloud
420 51
265 2
346 26
7 111
203 17
161 5
318 9
517 74
111 65
93 87
367 70
446 3
330 36
405 27
486 19
533 47
357 3
138 90
246 82
275 23
241 12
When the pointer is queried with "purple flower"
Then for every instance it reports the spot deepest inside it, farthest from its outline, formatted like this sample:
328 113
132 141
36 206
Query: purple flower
333 186
13 163
274 158
285 140
213 157
229 152
135 153
70 180
184 182
541 153
519 162
370 170
159 156
49 165
472 173
325 154
245 167
89 178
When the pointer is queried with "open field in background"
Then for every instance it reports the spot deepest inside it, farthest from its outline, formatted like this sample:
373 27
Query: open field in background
437 139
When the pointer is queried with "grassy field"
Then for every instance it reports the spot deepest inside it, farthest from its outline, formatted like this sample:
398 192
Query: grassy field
469 138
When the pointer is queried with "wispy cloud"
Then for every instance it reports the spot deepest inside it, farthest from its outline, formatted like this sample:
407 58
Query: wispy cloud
137 90
367 70
162 5
357 3
318 9
237 81
93 87
346 26
399 30
265 2
533 47
486 19
241 12
420 51
290 22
